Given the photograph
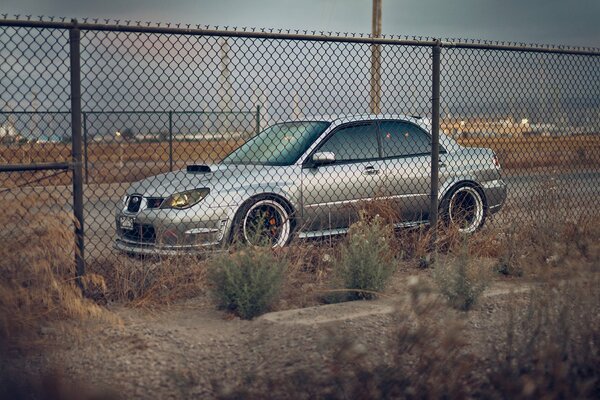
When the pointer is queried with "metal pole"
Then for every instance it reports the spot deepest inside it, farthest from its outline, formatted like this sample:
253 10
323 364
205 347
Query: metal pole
171 141
435 143
75 71
85 148
257 119
375 105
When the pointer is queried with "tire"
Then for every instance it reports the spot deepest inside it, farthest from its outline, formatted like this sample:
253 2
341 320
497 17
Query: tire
264 222
465 207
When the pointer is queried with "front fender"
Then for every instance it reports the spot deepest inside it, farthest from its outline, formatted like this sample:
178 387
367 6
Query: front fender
237 198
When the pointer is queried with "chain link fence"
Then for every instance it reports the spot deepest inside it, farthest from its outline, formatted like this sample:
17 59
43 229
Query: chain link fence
193 137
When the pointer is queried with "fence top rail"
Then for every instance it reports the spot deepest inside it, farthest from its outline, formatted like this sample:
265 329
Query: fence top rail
170 112
517 47
252 33
132 112
90 24
33 112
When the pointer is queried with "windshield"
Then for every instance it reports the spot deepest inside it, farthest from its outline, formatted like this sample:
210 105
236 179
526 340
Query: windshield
280 144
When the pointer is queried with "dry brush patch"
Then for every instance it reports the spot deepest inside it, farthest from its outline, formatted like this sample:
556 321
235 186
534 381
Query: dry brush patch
38 274
551 346
149 282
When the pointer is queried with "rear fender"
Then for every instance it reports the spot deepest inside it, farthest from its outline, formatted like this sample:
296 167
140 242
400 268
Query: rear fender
449 185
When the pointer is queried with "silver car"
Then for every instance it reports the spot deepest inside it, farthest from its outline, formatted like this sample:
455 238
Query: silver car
309 179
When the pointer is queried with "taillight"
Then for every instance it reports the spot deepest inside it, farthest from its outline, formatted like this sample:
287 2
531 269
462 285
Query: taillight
495 161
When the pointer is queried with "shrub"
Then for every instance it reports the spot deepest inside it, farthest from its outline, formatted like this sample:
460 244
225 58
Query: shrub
461 280
366 261
247 281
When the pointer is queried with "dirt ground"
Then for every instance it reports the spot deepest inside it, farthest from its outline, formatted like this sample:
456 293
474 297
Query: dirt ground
191 350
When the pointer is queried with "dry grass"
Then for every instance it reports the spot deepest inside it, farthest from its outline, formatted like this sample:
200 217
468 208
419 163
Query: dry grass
523 153
550 236
310 267
37 283
551 348
149 282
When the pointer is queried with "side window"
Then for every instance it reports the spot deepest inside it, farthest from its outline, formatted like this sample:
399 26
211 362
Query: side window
399 138
356 142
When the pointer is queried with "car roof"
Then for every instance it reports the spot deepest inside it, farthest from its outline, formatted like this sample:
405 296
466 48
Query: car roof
344 118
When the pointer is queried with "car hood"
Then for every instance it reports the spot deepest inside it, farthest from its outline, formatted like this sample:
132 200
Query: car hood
222 177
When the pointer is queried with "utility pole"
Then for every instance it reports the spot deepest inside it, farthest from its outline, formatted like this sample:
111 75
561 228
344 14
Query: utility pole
375 104
225 88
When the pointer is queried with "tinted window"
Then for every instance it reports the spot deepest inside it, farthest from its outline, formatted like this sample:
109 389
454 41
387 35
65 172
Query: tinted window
357 142
403 139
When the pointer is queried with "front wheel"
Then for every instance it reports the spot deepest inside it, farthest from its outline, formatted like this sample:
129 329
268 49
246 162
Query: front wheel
265 222
464 208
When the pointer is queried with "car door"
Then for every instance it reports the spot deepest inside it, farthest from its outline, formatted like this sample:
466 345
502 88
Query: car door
406 149
332 194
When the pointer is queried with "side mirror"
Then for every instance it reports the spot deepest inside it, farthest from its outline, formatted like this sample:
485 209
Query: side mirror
323 157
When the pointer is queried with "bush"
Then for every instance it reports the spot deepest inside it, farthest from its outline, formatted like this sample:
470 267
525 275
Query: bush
460 280
366 260
247 281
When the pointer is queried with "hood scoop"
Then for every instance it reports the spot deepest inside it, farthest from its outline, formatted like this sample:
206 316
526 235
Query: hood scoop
198 169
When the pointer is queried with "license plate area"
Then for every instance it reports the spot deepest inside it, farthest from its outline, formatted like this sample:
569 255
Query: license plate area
126 223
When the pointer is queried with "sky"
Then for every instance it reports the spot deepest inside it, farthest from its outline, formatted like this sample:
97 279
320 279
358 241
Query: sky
558 22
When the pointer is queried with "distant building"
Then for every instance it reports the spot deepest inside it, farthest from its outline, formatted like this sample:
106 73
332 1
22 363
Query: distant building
8 133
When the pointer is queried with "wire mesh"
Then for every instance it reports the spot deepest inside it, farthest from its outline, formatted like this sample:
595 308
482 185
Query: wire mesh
34 127
194 138
540 113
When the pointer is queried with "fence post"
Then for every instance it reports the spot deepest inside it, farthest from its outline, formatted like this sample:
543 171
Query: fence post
171 141
85 147
435 144
257 119
75 72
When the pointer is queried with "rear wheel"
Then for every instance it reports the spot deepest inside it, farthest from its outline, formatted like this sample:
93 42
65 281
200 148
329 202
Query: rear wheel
265 222
464 208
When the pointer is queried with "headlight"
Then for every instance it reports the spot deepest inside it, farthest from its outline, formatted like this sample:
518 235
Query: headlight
185 199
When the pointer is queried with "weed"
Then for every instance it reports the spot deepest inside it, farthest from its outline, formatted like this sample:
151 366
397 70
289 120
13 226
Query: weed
509 262
366 261
247 281
461 280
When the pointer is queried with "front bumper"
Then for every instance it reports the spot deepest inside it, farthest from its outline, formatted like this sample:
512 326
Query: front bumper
163 250
170 232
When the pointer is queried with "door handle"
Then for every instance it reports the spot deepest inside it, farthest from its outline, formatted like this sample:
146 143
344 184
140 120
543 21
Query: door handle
370 170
